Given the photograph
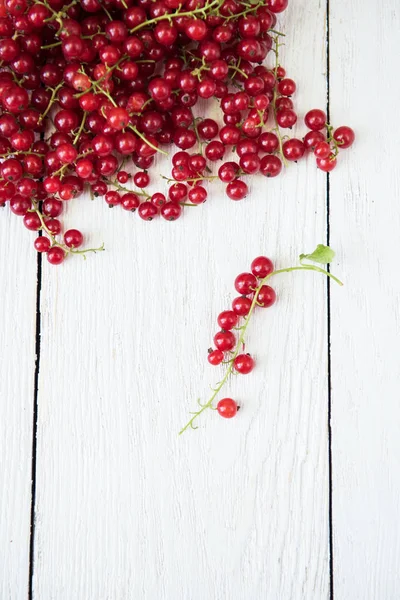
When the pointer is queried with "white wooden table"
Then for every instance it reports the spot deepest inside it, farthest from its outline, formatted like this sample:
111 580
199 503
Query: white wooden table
101 360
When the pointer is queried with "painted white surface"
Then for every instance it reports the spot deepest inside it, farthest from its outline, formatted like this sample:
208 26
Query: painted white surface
236 510
365 227
17 363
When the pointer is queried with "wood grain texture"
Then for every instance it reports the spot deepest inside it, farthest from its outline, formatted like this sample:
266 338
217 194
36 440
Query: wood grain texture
365 225
238 510
17 363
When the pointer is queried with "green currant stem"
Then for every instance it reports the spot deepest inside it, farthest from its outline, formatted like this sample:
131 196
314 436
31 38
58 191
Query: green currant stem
121 188
106 11
142 137
237 70
51 101
192 180
95 84
240 343
18 153
82 125
251 8
331 140
273 104
54 241
51 46
277 32
168 17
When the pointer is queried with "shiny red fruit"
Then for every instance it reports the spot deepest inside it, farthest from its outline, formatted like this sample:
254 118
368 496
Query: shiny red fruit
227 408
243 363
262 266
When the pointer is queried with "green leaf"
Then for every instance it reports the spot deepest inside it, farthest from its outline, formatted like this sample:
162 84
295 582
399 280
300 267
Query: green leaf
322 255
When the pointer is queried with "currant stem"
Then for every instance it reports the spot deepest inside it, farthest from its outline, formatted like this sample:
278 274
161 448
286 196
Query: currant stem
273 103
203 10
121 188
243 329
51 101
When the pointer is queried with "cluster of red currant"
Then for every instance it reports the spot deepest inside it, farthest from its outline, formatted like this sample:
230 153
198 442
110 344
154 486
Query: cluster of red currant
254 291
225 340
92 89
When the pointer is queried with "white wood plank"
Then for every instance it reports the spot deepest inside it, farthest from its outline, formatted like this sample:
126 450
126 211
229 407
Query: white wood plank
17 363
238 510
365 221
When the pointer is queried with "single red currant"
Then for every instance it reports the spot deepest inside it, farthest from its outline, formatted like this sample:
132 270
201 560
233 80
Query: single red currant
241 306
224 340
73 238
266 296
227 408
315 119
227 320
42 244
262 266
243 363
245 283
344 136
215 357
55 255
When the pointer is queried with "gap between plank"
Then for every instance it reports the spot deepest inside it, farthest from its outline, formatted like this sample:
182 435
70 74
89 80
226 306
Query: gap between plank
328 298
34 427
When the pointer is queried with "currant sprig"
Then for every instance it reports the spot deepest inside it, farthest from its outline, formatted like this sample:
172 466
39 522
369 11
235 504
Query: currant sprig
262 296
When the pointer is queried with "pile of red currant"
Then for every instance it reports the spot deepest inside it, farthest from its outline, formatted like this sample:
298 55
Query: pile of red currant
92 90
229 342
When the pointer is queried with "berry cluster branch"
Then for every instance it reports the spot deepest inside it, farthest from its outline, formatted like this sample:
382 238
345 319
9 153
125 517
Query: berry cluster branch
321 255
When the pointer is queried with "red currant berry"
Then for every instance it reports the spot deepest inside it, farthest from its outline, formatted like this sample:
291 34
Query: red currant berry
158 199
286 118
312 138
262 266
243 364
123 177
327 164
32 221
268 142
241 306
245 283
266 296
171 211
286 87
344 136
227 408
53 225
322 150
130 201
147 211
55 255
224 340
215 357
227 320
228 171
42 244
73 238
249 163
237 189
215 150
315 119
197 195
141 179
293 149
270 165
